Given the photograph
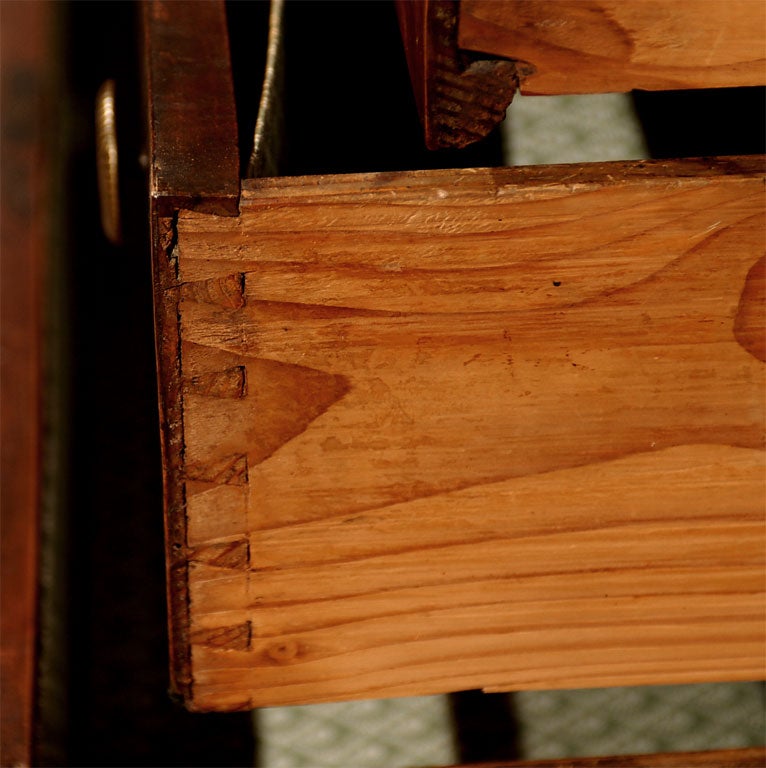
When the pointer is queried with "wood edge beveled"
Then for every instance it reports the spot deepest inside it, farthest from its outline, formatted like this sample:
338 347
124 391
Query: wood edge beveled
604 173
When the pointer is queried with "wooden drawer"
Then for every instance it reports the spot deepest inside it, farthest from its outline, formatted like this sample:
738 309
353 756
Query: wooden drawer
439 430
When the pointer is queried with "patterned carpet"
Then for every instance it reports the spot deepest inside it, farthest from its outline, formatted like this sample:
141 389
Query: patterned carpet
636 720
408 733
572 129
395 733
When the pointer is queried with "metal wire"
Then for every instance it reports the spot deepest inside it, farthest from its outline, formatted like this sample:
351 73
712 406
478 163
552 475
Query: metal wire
107 162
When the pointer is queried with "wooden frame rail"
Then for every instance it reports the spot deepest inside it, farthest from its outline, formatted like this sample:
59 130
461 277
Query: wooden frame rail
728 758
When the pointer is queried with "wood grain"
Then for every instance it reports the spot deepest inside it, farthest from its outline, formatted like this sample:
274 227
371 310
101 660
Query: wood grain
192 121
754 757
194 164
461 97
26 92
597 46
458 429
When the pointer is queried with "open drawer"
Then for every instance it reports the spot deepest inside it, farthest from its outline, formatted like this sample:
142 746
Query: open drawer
438 430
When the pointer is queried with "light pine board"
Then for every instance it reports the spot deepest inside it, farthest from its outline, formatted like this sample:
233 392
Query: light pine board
458 429
598 46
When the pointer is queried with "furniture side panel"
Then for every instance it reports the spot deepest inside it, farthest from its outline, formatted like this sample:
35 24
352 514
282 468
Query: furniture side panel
453 430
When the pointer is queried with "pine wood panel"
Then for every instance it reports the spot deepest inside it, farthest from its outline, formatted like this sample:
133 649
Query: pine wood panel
596 46
458 429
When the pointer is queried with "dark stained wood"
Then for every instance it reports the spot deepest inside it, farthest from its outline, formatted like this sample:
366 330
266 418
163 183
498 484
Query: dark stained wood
25 30
461 97
194 160
754 757
167 340
194 165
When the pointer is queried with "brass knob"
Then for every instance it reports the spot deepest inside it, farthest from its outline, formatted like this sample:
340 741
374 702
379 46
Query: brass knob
107 164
